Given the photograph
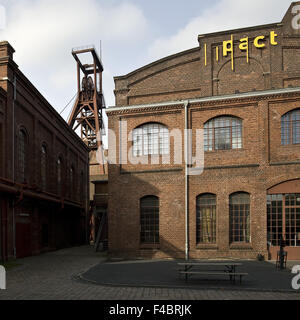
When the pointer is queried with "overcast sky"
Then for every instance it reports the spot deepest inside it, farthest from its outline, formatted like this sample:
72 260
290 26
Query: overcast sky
133 33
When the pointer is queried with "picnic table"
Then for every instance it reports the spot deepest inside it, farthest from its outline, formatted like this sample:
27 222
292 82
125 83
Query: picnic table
205 268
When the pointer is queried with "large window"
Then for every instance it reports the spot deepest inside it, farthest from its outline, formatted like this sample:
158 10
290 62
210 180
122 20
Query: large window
43 167
274 212
22 155
223 133
283 212
151 139
206 218
290 127
149 206
239 217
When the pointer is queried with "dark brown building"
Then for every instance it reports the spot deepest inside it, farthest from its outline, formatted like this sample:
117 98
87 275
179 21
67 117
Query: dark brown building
242 89
44 170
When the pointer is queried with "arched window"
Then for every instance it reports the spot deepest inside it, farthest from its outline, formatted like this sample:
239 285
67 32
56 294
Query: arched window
149 207
290 127
223 133
151 138
239 217
22 154
43 167
59 176
206 218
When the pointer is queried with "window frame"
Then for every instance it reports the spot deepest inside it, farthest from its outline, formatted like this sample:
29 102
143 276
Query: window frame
213 206
44 166
288 126
22 154
212 132
283 219
145 143
235 228
154 221
59 175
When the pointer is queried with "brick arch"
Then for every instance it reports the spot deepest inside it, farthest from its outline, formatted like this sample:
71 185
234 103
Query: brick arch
224 115
151 122
24 129
288 186
245 77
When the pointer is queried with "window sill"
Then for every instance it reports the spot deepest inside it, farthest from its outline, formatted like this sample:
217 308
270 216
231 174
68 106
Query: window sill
226 150
150 246
240 246
291 145
207 246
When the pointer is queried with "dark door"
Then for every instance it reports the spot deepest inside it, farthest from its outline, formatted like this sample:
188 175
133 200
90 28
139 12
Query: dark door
23 240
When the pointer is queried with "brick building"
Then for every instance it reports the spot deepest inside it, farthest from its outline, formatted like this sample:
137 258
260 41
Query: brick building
242 88
44 170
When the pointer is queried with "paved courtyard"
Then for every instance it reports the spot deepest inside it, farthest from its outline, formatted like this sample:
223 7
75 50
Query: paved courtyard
56 275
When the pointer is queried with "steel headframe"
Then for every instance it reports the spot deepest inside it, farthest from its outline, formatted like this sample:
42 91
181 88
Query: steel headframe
87 110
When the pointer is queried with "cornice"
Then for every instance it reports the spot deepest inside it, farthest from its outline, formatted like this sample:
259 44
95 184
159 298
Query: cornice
208 101
145 109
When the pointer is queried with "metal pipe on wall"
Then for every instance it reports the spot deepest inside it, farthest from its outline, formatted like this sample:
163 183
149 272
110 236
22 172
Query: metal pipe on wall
13 164
186 179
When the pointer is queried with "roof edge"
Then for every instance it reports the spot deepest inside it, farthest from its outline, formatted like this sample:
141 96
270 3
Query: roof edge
149 65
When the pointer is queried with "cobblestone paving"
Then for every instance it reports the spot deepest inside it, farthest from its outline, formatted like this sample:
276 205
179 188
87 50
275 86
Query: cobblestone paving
52 276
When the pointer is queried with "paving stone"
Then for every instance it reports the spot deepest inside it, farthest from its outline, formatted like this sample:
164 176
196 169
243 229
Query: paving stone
52 276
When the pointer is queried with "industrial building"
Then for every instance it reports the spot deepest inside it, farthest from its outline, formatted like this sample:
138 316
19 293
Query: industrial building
44 170
242 89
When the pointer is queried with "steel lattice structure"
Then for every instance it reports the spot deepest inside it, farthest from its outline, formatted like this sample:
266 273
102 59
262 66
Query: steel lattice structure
87 110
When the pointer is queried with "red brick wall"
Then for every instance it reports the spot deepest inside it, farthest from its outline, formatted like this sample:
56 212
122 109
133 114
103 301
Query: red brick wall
252 169
24 107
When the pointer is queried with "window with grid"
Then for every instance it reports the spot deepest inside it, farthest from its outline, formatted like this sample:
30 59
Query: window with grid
240 217
283 211
151 139
206 218
43 167
292 220
223 133
290 128
149 207
22 154
274 214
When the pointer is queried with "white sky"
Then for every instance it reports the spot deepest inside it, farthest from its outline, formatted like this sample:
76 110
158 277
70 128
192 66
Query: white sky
133 33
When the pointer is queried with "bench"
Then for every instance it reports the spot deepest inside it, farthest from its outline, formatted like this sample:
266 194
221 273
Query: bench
225 268
231 275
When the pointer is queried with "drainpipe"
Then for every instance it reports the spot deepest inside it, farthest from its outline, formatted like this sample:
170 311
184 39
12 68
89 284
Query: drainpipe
13 162
186 181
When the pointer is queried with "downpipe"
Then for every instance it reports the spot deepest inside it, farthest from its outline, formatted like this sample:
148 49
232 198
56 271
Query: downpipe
186 179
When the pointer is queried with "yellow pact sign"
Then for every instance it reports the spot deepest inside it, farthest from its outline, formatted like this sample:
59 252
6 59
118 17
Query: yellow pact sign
243 46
